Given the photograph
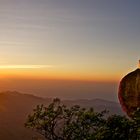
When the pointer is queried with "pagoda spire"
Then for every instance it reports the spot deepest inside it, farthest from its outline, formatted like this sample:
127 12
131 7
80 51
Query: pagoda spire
139 65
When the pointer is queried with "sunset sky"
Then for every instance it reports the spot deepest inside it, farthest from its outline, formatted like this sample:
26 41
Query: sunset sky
96 40
92 39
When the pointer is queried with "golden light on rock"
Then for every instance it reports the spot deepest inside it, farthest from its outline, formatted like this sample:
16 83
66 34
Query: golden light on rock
129 92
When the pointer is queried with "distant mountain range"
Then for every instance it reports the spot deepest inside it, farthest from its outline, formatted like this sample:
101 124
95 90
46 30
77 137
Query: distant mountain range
15 107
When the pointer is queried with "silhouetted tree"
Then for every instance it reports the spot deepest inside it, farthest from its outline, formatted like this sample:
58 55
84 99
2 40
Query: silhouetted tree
58 122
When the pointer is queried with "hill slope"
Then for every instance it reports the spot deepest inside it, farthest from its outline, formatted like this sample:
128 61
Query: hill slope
15 107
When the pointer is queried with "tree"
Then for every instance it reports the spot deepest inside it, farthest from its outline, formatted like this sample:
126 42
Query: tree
58 122
135 125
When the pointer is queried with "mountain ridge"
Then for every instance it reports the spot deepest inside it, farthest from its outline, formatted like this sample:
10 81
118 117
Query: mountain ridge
16 106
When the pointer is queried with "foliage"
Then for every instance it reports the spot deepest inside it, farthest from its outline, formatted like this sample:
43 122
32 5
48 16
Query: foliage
58 122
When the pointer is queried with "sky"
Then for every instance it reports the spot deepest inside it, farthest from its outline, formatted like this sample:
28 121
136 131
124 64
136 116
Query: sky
89 40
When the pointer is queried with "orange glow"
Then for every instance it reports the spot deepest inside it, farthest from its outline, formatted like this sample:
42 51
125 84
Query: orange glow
56 74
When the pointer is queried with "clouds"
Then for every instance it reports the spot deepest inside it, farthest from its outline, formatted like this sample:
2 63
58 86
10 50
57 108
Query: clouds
25 66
